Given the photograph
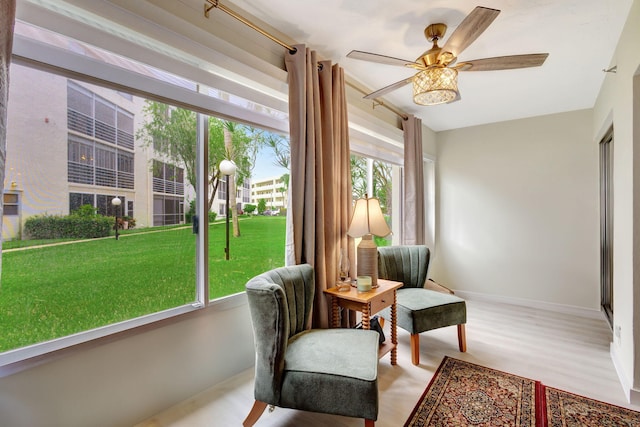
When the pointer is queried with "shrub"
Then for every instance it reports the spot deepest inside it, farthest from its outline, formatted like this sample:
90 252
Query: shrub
86 211
192 211
72 226
249 208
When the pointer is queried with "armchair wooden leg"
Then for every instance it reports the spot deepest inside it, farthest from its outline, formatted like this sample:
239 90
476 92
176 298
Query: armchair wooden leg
256 411
462 338
369 423
415 349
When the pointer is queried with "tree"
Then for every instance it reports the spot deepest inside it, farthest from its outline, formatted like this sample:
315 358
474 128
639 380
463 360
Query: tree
284 189
381 181
281 149
171 132
358 176
249 208
262 206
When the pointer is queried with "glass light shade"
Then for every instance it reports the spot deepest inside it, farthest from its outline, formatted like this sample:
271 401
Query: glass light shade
367 218
116 201
227 167
435 86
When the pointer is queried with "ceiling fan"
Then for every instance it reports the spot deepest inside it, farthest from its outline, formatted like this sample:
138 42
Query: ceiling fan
436 81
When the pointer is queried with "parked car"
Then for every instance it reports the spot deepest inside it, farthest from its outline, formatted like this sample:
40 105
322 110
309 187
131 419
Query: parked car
274 213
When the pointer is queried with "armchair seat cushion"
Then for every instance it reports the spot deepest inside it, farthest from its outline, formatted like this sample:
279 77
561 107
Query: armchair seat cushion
420 310
319 373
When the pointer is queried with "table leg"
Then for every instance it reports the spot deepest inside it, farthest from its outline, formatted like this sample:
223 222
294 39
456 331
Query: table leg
366 313
394 331
335 312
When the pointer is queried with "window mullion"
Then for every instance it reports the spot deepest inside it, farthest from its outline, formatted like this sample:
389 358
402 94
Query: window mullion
202 188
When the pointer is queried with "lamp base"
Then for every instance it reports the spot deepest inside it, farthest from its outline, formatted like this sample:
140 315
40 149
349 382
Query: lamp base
367 262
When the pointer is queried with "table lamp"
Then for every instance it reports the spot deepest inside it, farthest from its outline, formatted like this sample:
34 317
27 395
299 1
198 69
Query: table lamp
367 220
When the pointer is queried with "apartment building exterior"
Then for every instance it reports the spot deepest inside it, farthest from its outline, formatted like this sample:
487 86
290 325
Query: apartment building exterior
272 190
72 143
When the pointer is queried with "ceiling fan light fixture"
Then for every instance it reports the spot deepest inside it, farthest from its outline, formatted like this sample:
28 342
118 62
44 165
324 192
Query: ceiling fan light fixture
435 86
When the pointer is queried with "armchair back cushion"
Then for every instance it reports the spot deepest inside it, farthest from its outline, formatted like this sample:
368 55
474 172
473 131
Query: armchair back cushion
280 309
406 264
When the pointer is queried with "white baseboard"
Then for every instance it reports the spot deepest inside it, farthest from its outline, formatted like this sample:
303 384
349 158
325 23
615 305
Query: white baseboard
541 305
632 395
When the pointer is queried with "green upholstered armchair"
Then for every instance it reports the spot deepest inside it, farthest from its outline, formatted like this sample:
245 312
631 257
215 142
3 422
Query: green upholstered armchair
331 371
419 309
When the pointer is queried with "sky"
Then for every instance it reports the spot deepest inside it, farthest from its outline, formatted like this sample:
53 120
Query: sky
265 166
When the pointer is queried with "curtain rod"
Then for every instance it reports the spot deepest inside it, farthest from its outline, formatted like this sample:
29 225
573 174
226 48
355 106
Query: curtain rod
216 4
377 102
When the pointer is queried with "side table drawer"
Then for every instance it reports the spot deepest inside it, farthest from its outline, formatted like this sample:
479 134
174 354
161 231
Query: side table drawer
381 301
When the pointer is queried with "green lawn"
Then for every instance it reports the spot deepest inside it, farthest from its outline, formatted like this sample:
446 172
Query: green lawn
54 291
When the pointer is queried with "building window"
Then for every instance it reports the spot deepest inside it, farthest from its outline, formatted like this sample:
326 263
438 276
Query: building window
105 130
94 116
11 204
76 200
167 210
130 211
246 191
102 203
167 179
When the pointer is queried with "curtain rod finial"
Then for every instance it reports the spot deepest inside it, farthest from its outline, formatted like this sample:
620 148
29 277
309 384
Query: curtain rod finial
207 8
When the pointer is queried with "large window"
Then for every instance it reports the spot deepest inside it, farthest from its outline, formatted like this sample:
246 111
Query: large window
93 283
98 144
89 283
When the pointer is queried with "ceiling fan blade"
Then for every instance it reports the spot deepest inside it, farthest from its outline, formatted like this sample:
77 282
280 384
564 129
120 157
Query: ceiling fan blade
390 88
470 29
382 59
504 62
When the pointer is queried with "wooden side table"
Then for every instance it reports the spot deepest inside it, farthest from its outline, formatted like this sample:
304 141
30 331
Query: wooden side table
369 303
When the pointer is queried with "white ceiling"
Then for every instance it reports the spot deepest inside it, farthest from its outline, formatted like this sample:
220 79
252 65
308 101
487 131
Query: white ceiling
579 35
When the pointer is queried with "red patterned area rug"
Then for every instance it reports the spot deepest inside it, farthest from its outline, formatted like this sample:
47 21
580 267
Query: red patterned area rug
564 409
465 394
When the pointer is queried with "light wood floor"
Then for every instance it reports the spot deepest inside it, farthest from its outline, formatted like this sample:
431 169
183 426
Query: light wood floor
561 350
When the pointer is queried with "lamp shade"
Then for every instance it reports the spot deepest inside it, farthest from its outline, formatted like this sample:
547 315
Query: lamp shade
227 167
116 201
435 86
367 218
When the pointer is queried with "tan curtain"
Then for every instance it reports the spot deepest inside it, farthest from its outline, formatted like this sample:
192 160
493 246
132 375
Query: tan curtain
7 20
413 232
320 184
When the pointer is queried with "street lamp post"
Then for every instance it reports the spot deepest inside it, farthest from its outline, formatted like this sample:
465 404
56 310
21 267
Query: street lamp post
116 203
227 167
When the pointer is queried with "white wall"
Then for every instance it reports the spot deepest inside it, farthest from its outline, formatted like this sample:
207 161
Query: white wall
615 106
126 380
517 210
